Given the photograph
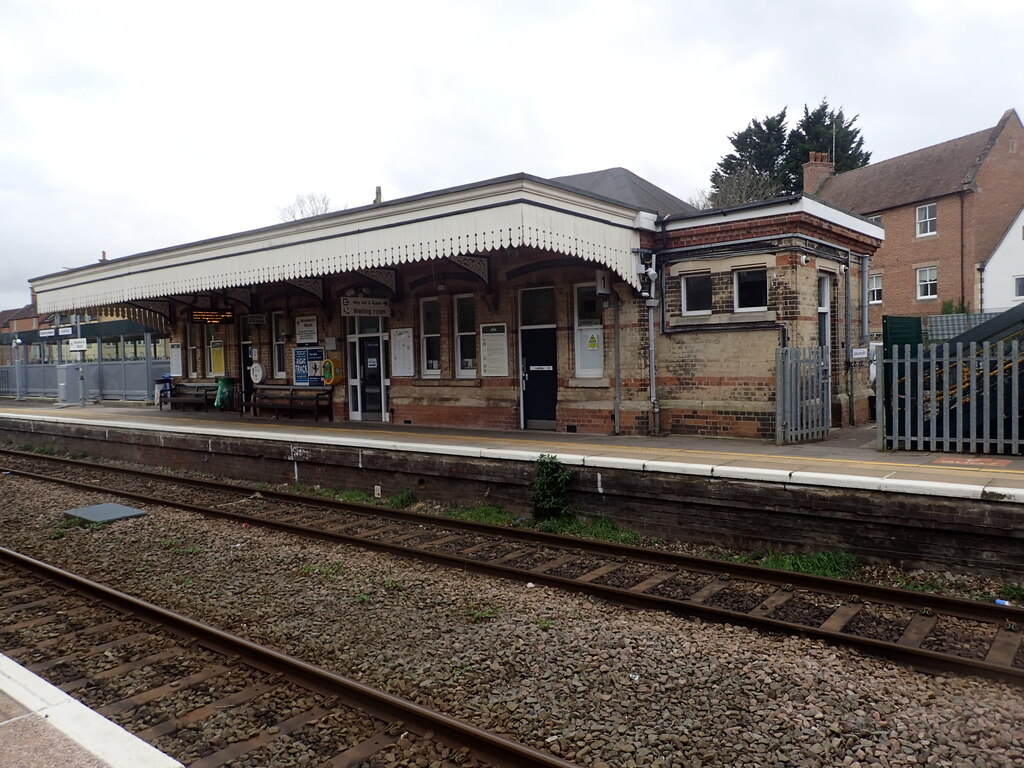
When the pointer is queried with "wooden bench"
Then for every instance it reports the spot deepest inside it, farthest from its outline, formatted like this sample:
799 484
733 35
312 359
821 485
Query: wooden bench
187 393
290 399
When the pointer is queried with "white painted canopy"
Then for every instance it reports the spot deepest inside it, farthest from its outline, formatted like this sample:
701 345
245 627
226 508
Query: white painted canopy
504 213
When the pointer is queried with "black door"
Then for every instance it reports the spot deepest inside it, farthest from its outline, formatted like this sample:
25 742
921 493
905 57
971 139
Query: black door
540 378
371 377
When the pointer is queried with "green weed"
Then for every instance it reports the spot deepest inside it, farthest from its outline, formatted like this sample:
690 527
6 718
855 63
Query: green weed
393 585
602 529
836 565
330 571
491 515
549 487
480 613
402 500
1012 591
362 597
178 547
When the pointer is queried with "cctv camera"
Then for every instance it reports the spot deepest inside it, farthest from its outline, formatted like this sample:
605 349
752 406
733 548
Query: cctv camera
805 259
652 273
645 294
842 269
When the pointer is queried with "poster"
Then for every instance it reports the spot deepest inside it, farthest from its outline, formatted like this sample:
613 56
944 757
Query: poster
176 359
308 365
305 330
494 350
401 352
217 358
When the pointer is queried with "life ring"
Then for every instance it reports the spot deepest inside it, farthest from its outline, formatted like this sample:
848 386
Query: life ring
257 373
329 369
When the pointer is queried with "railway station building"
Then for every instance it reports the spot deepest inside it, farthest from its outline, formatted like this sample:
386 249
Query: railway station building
595 303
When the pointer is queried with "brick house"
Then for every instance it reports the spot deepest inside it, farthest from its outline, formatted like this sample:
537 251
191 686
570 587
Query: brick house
591 303
944 210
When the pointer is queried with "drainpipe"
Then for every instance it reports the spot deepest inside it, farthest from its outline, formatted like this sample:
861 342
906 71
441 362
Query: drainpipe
865 337
848 323
617 408
652 302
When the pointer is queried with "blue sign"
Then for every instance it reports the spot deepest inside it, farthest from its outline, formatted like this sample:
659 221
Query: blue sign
308 366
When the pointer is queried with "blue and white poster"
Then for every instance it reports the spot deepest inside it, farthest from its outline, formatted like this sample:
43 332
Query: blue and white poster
308 366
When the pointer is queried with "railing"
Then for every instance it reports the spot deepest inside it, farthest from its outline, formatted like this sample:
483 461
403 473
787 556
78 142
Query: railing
957 398
803 404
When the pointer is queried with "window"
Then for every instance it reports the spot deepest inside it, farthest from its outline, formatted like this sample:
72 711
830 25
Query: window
928 282
927 221
697 294
1018 287
589 333
874 289
278 332
214 351
876 220
192 332
465 337
430 338
824 310
750 289
111 348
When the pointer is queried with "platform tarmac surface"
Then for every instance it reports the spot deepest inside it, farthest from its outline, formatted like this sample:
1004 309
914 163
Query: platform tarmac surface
848 459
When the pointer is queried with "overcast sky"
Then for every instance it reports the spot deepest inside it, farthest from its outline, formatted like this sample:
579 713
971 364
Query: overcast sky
130 126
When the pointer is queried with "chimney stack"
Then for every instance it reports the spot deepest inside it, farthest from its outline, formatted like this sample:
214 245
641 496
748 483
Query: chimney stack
816 170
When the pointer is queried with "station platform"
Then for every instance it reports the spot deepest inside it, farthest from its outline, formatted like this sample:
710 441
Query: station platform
43 727
849 459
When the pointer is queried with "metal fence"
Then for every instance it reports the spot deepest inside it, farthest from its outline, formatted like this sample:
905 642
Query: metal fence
107 380
961 398
803 402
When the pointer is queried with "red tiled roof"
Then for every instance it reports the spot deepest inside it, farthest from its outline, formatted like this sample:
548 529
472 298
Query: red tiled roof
927 173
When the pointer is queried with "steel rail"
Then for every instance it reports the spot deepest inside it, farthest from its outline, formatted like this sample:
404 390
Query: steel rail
952 606
920 658
418 719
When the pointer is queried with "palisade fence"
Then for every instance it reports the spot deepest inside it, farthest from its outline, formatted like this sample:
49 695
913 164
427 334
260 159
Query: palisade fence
803 401
963 398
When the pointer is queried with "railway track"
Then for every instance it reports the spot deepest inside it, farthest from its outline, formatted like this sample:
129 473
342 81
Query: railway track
929 632
209 698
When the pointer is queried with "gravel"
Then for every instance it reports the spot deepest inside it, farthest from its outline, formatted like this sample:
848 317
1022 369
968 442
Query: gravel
596 684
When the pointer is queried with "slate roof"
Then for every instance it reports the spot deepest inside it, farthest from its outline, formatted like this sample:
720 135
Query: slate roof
626 187
925 174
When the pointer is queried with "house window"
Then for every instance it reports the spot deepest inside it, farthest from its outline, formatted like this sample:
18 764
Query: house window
874 289
430 338
876 220
1018 287
589 333
278 333
927 221
750 289
927 282
465 337
697 294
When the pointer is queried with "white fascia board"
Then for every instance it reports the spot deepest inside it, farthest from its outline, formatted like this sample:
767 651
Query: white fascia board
509 212
801 205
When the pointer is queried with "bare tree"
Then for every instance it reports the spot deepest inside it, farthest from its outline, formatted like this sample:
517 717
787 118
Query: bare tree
304 206
744 185
700 199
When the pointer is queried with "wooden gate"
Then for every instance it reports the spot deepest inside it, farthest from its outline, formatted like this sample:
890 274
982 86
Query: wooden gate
803 402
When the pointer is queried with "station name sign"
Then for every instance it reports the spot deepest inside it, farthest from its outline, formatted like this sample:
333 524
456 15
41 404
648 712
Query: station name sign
213 316
354 306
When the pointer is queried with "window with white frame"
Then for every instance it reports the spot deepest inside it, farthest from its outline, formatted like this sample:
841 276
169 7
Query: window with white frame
465 337
750 289
214 351
589 333
1018 287
430 338
278 332
927 219
927 282
874 289
697 294
192 334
